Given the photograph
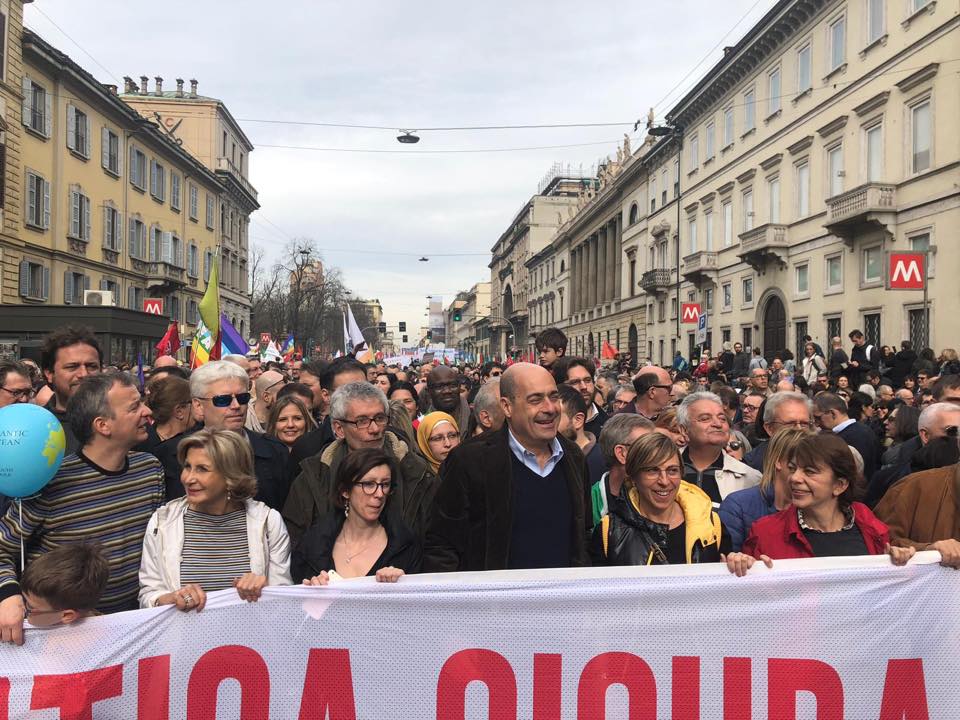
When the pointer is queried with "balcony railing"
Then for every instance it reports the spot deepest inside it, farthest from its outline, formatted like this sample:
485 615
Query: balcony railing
655 281
226 165
700 265
163 273
764 242
864 208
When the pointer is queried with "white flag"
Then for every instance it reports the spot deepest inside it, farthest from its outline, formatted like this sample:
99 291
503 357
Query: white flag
352 334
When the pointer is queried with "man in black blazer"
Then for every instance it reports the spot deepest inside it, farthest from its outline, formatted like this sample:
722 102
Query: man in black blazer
514 498
830 413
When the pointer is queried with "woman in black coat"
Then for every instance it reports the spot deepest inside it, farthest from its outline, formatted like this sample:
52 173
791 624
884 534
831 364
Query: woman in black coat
359 540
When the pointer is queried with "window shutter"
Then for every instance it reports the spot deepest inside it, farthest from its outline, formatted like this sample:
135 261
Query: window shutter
206 266
75 214
46 204
45 290
72 128
86 282
25 278
68 288
25 114
85 208
119 157
133 166
31 197
132 238
131 297
47 115
86 136
166 247
107 228
104 147
104 285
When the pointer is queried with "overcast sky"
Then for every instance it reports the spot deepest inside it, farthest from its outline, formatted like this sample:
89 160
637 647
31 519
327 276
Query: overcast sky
406 65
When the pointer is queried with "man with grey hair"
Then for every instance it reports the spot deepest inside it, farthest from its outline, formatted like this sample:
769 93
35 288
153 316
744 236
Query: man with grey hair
621 397
487 413
220 400
906 397
105 494
704 423
782 409
884 393
358 416
618 435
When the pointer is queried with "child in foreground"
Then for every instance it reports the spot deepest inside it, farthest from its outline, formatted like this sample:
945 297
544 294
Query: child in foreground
64 585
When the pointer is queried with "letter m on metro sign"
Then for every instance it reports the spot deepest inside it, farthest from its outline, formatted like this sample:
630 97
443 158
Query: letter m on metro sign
906 271
690 313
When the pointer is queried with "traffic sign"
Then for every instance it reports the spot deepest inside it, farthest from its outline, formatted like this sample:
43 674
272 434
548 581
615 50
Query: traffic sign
154 306
906 271
702 329
689 313
265 338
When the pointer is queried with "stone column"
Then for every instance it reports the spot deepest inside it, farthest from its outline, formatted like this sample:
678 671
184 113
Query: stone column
571 272
592 271
614 260
619 269
602 265
578 279
585 282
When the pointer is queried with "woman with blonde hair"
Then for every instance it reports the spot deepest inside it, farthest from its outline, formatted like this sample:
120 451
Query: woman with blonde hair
216 536
289 420
740 509
437 435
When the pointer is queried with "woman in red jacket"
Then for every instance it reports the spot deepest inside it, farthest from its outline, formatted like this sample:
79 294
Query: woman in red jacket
823 519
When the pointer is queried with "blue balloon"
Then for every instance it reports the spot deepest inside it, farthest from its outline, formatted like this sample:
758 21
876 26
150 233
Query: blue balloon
32 442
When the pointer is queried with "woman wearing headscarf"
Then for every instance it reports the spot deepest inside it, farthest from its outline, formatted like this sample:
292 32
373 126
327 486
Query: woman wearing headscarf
437 435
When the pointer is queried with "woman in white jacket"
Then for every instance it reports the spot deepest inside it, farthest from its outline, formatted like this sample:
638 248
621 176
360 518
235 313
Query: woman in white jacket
216 536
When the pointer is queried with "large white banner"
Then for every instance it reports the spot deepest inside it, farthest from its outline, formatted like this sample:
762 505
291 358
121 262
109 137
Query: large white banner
846 639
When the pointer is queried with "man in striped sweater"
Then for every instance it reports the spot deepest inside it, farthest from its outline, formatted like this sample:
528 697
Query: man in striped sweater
103 493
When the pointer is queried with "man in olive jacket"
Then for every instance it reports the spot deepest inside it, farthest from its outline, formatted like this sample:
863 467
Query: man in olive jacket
358 413
515 498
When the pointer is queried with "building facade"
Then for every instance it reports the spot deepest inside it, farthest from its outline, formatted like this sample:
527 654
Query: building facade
107 200
210 133
818 144
470 306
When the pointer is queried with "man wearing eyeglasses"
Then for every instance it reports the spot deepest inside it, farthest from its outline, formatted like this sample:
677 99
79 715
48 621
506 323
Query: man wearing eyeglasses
782 409
653 387
265 387
831 415
358 413
15 384
760 381
578 374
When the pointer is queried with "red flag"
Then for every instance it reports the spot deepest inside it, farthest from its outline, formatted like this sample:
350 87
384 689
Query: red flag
170 343
608 352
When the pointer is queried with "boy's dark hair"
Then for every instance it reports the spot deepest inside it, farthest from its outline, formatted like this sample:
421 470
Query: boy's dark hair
561 368
488 368
296 389
338 367
65 337
552 338
70 577
854 334
572 401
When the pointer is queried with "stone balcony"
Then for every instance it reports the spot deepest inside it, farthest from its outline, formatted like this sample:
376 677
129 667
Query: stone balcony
225 165
763 243
161 274
700 266
867 208
656 281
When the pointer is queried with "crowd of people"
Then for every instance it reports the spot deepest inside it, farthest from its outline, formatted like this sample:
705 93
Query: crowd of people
244 474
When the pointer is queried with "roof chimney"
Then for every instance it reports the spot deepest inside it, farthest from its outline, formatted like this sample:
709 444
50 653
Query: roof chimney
129 86
159 85
112 89
179 87
193 88
143 84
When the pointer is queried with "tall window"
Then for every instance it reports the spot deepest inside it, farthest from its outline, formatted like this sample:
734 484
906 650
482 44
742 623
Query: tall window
773 194
872 265
138 239
653 192
210 208
803 190
773 91
36 108
710 136
111 229
38 201
835 169
835 272
802 279
708 229
676 178
747 199
804 73
875 20
728 126
138 169
194 202
837 33
175 191
874 143
727 223
79 216
157 180
694 152
747 291
110 151
920 131
921 243
749 110
727 296
692 232
78 131
663 191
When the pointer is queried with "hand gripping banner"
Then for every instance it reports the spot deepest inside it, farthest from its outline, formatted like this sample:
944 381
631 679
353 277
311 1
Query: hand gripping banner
840 639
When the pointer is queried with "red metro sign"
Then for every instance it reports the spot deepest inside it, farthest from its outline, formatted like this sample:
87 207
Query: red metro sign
690 313
906 271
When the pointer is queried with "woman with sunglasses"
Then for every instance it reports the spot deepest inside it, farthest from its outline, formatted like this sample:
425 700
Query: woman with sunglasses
358 539
658 519
437 435
216 536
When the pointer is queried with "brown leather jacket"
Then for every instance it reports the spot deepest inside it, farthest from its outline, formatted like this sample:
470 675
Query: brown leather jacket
923 508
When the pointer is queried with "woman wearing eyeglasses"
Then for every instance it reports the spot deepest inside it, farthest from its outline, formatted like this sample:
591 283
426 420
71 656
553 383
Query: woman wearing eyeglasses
658 519
437 435
358 538
216 536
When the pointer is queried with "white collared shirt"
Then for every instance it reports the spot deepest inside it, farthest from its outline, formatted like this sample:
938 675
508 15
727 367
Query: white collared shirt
529 459
840 427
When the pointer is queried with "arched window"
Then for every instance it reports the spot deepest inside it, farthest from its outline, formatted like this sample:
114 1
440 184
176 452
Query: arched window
562 266
634 214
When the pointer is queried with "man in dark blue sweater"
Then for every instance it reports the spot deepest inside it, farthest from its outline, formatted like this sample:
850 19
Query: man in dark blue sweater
516 498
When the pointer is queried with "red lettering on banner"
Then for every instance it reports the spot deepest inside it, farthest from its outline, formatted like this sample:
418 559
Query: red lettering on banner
904 691
4 699
685 691
75 694
328 686
467 666
547 685
785 678
737 688
153 688
229 661
617 668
